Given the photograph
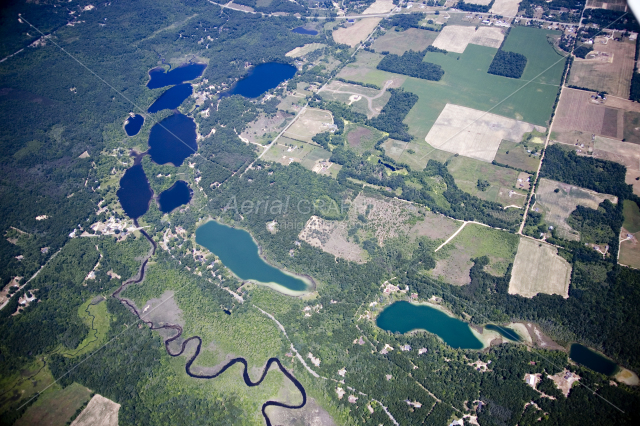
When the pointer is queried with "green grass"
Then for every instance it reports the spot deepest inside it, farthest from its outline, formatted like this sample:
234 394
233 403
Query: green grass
631 213
317 154
499 246
515 154
97 319
632 127
19 387
55 406
366 142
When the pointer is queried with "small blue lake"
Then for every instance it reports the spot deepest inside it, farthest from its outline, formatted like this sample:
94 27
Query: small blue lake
303 30
505 332
261 78
133 124
134 192
179 194
403 317
239 252
172 140
160 78
593 360
172 98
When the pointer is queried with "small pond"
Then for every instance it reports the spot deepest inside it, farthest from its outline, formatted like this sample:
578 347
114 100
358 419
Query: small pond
262 78
593 360
505 332
404 317
176 196
305 31
134 192
159 78
172 140
133 124
239 252
172 98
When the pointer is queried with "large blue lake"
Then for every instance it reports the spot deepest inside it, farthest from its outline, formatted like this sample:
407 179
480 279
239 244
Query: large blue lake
133 124
172 98
134 192
160 78
176 196
239 252
261 78
172 140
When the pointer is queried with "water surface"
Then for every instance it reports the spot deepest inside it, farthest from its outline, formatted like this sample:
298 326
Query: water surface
133 124
239 252
134 192
172 140
593 360
505 332
404 317
303 30
172 98
160 78
176 196
261 78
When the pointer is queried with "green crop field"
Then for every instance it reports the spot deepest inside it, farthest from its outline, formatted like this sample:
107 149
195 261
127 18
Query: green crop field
631 214
55 407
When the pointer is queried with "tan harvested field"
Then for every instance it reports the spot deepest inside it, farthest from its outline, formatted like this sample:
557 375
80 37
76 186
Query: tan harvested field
475 134
399 42
299 52
539 269
455 38
380 6
354 34
625 153
620 103
633 178
618 5
264 128
557 206
505 7
99 412
577 112
311 122
609 67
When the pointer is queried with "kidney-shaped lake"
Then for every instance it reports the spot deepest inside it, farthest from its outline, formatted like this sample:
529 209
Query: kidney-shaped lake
172 140
262 78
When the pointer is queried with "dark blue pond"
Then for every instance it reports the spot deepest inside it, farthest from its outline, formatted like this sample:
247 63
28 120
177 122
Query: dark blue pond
134 192
176 196
160 78
262 78
133 125
505 332
303 30
172 140
172 98
593 360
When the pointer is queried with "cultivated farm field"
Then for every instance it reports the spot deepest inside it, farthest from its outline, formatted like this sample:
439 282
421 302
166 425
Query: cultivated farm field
99 412
515 154
538 269
399 42
56 406
455 38
629 235
354 34
364 70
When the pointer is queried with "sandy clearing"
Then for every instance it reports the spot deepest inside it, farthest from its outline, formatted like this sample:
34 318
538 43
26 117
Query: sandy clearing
357 32
564 381
474 133
298 52
505 7
627 377
99 412
380 6
538 269
328 236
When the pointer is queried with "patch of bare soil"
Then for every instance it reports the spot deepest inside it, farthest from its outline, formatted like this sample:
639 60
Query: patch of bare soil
309 415
540 339
564 380
99 412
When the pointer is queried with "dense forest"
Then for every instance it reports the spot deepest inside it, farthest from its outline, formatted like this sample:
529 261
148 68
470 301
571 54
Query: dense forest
390 118
403 22
410 63
610 19
508 64
470 7
582 51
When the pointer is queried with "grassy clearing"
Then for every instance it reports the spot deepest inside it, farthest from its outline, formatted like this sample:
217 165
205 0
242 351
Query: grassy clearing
286 151
364 70
399 42
515 154
20 387
309 123
631 213
55 407
354 34
632 127
97 319
538 269
362 138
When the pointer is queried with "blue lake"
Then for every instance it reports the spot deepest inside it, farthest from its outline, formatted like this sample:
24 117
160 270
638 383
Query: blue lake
303 30
404 317
593 360
171 98
239 252
134 192
176 196
262 78
505 332
133 124
172 140
160 78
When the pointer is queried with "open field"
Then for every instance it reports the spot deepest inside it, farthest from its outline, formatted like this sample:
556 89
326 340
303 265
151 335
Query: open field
454 259
354 34
577 113
619 5
631 130
331 237
539 269
97 319
299 52
625 153
630 234
318 160
55 407
455 38
361 99
264 128
399 42
475 134
467 83
379 6
292 103
20 386
503 187
505 7
362 138
286 151
311 122
557 206
364 70
99 412
609 67
515 154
